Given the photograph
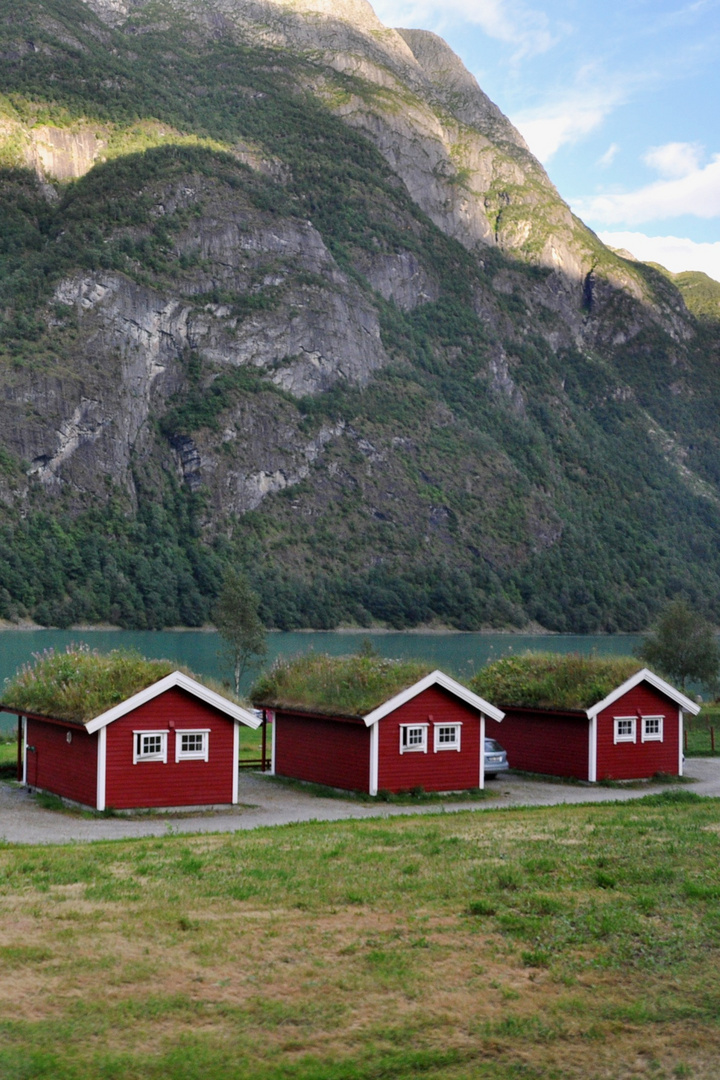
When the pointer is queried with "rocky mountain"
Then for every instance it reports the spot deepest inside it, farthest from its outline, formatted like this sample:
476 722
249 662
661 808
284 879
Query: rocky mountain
280 285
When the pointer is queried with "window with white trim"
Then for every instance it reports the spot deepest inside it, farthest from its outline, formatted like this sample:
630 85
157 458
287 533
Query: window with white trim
192 745
149 746
413 737
625 729
652 729
446 736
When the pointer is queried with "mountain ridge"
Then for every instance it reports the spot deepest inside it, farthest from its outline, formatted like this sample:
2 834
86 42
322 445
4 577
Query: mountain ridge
263 330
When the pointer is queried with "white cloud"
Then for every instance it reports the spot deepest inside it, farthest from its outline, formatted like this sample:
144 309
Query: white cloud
609 156
568 119
674 159
697 193
527 30
676 253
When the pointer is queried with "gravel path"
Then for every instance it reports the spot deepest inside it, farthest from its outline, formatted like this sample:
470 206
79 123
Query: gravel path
267 802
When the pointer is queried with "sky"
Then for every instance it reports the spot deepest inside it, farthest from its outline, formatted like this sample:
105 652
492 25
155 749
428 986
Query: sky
620 100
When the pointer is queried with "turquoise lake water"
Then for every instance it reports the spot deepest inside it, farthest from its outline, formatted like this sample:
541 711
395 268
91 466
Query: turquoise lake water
457 654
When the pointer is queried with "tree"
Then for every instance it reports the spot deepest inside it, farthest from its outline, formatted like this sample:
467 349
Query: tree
683 646
238 623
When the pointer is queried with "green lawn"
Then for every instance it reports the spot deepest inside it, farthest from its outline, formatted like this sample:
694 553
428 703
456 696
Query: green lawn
545 944
699 740
8 755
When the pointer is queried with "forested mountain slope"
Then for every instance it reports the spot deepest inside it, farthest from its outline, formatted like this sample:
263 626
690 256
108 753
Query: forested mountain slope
282 286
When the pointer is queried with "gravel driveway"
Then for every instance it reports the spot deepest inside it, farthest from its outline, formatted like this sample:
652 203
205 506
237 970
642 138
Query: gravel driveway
269 802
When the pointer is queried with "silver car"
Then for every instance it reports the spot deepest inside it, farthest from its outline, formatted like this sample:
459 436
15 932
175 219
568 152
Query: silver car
495 759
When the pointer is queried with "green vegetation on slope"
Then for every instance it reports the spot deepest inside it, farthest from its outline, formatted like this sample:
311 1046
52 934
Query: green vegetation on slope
340 685
581 493
553 680
551 942
104 566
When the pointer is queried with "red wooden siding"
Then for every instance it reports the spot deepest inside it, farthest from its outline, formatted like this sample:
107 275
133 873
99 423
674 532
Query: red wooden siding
323 750
446 770
544 742
65 768
182 783
635 761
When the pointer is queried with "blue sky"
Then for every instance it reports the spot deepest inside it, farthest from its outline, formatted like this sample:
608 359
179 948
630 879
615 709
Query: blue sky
619 100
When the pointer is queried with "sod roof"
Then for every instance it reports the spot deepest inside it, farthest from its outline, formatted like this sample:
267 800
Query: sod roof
336 685
79 684
552 680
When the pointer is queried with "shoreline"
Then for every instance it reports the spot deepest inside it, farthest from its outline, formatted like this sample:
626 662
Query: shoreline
362 631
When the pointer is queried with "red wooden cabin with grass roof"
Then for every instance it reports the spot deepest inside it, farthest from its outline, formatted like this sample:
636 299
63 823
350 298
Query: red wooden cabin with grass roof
173 744
428 735
633 732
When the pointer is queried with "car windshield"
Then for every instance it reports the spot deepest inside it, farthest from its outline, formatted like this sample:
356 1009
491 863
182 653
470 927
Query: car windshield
492 747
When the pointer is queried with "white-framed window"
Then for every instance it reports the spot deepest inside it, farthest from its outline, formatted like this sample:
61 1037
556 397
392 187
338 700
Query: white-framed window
446 736
192 745
150 746
625 729
652 728
413 737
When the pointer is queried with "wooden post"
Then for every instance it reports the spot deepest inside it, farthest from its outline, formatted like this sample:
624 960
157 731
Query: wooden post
685 735
19 748
712 739
264 741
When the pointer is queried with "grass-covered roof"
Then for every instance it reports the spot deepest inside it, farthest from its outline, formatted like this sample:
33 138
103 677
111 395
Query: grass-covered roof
552 680
79 684
337 685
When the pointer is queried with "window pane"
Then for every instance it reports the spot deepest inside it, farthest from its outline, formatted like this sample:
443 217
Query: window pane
192 743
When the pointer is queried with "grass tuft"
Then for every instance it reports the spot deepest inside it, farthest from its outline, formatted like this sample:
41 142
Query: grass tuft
552 680
81 683
341 685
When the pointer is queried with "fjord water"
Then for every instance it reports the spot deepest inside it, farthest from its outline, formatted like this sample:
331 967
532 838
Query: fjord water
459 655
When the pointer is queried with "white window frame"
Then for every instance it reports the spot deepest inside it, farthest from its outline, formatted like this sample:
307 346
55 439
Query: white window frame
420 748
652 736
631 736
139 757
455 744
192 755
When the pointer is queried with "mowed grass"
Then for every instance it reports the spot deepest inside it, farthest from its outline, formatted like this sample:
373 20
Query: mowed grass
563 942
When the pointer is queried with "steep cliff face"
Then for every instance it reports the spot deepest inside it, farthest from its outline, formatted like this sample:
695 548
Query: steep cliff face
258 292
460 158
287 288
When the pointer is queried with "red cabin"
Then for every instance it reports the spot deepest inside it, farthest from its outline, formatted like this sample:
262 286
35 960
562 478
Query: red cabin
632 734
429 736
174 744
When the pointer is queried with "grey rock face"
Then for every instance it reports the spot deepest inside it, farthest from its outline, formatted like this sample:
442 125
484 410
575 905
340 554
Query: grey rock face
315 327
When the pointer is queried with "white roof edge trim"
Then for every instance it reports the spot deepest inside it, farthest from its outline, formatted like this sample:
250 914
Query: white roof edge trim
175 678
435 678
645 675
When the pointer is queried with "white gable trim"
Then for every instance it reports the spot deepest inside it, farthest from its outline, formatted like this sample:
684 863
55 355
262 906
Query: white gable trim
176 678
435 678
101 770
236 763
645 675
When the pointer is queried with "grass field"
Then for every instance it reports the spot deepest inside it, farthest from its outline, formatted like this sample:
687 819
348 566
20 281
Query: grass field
8 756
565 942
699 742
